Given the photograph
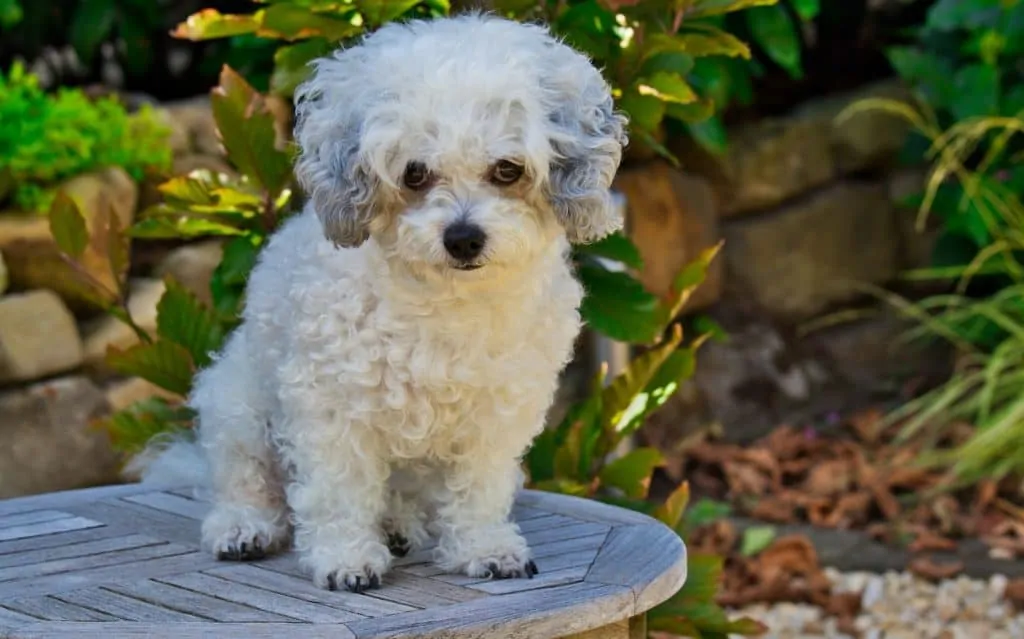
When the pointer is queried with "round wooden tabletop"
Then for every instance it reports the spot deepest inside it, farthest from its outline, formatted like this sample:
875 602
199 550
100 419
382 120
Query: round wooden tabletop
124 561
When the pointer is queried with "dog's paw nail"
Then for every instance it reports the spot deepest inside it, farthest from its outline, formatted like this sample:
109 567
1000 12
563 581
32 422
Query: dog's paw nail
398 545
332 584
531 569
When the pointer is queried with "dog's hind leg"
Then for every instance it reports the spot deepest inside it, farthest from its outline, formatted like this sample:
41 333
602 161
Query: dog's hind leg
249 517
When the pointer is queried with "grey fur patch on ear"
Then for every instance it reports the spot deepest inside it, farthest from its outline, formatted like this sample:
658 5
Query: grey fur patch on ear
330 167
587 136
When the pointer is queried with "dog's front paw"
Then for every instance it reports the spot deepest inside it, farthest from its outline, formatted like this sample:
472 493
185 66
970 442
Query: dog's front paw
500 554
243 533
355 569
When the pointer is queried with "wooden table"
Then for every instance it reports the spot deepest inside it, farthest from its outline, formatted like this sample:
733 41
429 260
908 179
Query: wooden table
124 561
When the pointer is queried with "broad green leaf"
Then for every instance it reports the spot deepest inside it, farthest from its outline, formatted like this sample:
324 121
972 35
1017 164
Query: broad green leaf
292 22
675 62
132 428
615 247
711 78
693 113
188 190
671 512
184 320
182 226
291 64
807 9
667 87
676 369
618 396
68 226
645 112
209 24
563 487
590 28
710 134
11 13
619 306
118 247
949 15
931 75
247 130
91 24
977 90
703 574
707 8
755 539
227 286
631 473
540 459
713 41
378 12
705 511
773 29
690 277
163 363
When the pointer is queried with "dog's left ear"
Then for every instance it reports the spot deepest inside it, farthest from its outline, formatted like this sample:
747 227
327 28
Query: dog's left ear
587 136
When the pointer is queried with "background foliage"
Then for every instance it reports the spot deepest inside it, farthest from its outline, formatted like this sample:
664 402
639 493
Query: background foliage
967 65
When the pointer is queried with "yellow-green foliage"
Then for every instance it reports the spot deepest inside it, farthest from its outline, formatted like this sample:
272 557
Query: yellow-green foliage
45 138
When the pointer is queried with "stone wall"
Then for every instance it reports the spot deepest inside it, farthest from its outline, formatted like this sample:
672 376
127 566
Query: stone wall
53 382
808 210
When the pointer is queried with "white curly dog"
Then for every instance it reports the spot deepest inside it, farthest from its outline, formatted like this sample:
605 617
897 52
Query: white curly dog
403 336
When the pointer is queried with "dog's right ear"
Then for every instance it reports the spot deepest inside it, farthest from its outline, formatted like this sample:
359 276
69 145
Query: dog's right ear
330 167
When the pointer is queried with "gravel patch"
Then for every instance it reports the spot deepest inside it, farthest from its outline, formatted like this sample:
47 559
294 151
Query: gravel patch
902 606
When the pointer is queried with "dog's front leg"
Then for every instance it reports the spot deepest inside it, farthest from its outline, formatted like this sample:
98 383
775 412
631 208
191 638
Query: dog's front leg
338 497
476 535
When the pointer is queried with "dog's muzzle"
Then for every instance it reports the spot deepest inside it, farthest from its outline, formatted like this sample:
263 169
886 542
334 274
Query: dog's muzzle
464 242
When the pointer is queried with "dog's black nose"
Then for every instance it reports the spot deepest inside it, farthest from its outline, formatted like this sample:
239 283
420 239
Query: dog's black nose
464 241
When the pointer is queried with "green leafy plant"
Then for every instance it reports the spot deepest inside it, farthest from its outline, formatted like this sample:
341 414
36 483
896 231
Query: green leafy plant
651 52
965 65
47 138
244 211
577 457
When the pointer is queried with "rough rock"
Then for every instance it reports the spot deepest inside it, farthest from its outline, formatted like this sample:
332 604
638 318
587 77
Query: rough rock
31 254
192 266
918 242
193 127
4 278
46 441
38 337
106 331
868 138
123 393
672 216
799 260
768 162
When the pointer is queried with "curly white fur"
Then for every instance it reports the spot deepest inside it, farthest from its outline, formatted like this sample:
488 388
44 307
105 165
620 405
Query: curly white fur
375 388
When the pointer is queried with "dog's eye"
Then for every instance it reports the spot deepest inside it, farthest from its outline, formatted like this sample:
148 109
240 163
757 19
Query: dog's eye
506 172
417 176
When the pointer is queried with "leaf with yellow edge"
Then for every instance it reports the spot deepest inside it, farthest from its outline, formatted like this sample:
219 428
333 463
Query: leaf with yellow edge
692 276
631 473
210 24
671 512
67 226
619 395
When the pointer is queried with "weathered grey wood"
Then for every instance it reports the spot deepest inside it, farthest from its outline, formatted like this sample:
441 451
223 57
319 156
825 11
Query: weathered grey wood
33 517
56 610
651 560
86 548
125 562
519 616
303 588
123 607
171 503
128 630
54 584
205 606
73 564
51 527
287 607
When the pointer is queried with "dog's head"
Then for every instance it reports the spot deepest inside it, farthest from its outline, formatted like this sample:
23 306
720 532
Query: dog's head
459 143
